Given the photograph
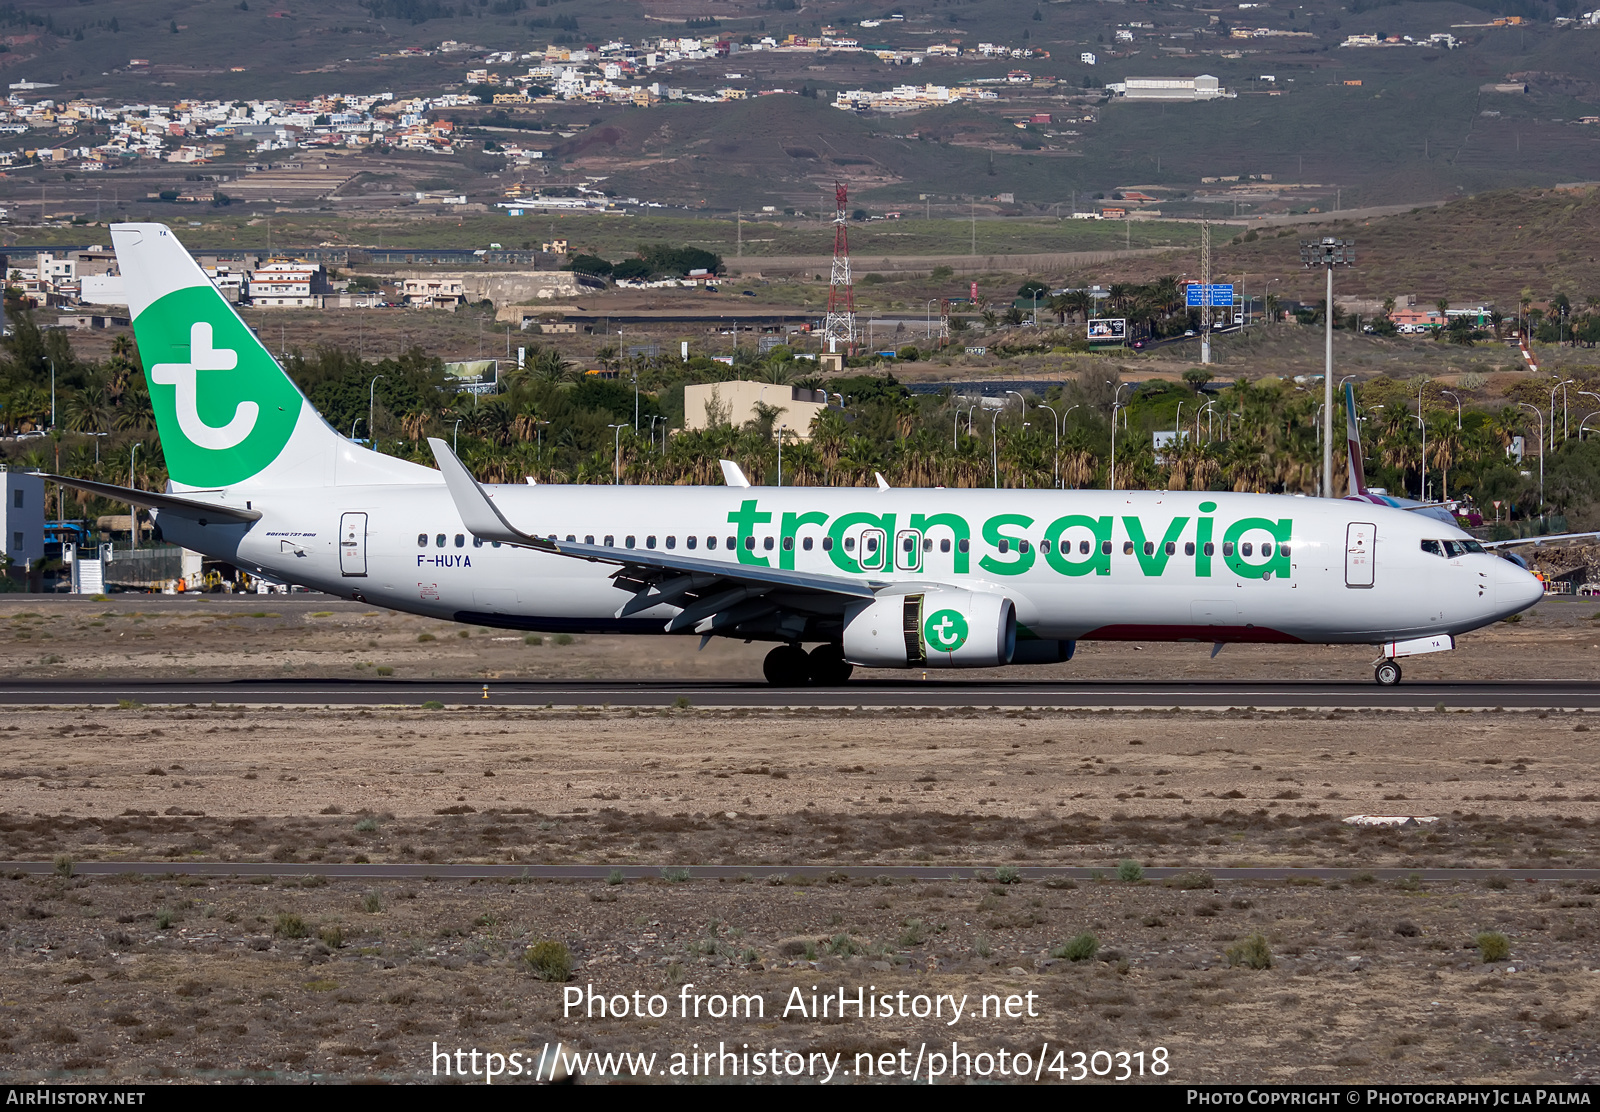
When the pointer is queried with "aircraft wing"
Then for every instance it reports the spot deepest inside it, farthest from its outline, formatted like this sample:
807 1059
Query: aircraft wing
1539 540
197 508
710 594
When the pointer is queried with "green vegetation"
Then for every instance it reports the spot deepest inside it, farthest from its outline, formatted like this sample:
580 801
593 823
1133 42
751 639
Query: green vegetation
289 926
1493 946
1252 953
1080 947
549 961
1130 871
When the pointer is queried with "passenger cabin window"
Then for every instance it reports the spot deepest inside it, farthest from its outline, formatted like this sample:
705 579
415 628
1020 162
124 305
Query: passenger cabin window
749 544
1266 548
1083 548
909 544
827 544
788 544
944 545
849 544
1227 548
733 542
1210 549
1127 548
927 544
1283 550
1022 546
477 542
1005 546
422 541
588 538
611 541
1245 548
628 541
1105 548
1172 548
690 542
1149 548
766 543
1188 548
438 542
672 542
964 545
571 538
1044 546
872 544
806 544
650 541
711 542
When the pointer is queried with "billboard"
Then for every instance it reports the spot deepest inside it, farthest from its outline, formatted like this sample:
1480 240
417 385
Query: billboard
1108 330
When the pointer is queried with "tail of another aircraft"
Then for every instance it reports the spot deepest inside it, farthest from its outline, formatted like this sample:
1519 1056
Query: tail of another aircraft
1358 480
226 412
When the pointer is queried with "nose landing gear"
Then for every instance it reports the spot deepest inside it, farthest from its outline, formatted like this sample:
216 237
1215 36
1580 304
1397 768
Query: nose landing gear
1387 673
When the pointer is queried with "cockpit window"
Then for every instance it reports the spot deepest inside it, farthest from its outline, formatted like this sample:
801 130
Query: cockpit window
1434 547
1473 546
1455 548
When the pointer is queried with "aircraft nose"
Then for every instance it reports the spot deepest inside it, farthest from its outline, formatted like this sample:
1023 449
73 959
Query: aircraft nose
1515 589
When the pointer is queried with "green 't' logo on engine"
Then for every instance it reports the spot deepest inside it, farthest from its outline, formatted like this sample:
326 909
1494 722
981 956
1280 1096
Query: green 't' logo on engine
223 407
945 630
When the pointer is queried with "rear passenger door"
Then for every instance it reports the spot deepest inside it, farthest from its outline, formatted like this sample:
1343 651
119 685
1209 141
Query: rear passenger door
1361 539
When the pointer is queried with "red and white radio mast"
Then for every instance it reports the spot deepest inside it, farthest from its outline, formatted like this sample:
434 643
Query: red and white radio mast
839 326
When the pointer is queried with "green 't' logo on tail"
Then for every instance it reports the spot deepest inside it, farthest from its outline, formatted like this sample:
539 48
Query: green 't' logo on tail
224 408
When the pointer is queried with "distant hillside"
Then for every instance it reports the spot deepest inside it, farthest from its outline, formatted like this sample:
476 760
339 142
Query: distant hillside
1488 248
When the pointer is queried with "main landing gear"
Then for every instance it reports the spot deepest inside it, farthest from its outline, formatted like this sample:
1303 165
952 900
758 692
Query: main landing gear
792 666
1387 673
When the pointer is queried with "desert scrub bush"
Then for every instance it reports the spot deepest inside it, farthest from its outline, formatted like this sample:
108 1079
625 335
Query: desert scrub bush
289 926
1493 946
563 639
1080 947
675 875
1130 871
332 937
371 904
163 919
914 932
1007 874
1252 953
1192 880
367 826
423 638
615 877
549 961
433 704
63 865
384 670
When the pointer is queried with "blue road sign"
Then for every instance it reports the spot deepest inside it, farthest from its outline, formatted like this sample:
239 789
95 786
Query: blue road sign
1198 295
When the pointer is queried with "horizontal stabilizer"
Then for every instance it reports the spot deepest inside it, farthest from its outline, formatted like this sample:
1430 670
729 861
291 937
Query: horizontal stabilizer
171 503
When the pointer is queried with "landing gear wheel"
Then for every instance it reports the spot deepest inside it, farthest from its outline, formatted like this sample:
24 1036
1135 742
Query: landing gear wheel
828 666
1387 673
787 666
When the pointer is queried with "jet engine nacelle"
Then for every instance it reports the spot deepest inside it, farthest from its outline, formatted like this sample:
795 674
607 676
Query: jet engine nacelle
940 628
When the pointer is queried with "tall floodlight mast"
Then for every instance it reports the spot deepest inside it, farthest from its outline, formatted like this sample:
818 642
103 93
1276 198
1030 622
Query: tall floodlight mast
839 326
1328 253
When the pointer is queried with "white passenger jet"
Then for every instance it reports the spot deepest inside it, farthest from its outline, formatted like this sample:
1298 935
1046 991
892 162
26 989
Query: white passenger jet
885 578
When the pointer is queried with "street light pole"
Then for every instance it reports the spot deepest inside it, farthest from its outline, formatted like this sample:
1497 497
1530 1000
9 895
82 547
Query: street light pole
1452 394
455 436
1115 405
1328 253
616 465
133 510
994 440
1553 390
1055 426
1537 413
1422 424
781 429
371 402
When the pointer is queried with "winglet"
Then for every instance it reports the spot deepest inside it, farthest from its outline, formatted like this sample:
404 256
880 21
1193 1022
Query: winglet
478 513
883 484
1357 480
732 475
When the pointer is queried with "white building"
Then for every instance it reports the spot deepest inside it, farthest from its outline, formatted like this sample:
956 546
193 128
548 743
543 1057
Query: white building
282 284
1204 87
22 520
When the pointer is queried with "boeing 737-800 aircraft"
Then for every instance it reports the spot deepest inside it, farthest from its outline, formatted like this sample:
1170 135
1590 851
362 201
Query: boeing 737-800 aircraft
926 578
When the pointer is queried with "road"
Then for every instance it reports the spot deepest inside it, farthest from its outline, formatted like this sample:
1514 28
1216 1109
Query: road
934 691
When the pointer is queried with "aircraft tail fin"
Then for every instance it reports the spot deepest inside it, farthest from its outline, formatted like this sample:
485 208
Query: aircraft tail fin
1357 479
226 412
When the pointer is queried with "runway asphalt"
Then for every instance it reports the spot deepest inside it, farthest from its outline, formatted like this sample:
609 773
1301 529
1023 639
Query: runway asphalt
753 873
935 692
